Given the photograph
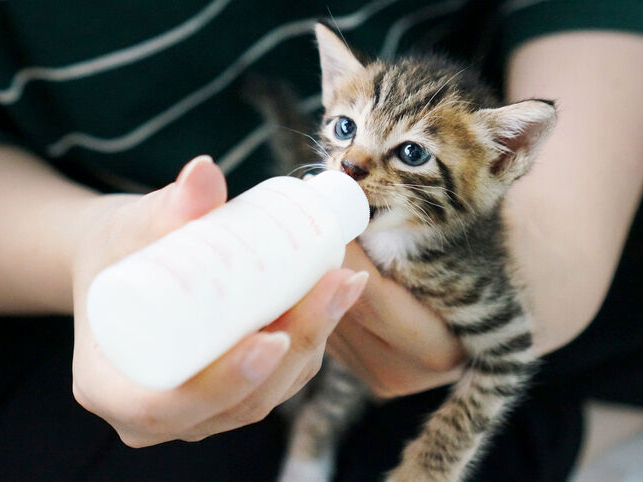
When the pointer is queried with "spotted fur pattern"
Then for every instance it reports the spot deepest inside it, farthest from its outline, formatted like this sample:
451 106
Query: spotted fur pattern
436 229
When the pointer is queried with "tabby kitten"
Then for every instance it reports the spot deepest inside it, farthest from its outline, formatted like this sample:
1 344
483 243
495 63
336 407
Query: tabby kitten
435 154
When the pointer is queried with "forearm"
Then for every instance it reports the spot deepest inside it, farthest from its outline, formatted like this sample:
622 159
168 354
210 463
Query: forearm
41 219
568 219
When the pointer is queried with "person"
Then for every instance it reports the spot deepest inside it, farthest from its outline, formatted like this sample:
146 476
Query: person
102 98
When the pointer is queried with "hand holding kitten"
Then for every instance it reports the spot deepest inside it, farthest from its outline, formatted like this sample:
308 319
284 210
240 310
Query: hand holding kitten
390 340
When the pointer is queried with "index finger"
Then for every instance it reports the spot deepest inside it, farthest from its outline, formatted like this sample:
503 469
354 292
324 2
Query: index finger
309 323
148 417
230 379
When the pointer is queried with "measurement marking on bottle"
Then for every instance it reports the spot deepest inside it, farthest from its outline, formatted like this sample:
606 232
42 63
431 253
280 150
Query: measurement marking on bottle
274 219
245 244
318 230
213 247
184 285
218 287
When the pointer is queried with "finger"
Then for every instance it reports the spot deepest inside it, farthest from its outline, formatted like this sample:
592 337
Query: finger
260 403
381 366
160 416
393 314
389 372
310 369
309 323
357 260
309 339
412 327
199 188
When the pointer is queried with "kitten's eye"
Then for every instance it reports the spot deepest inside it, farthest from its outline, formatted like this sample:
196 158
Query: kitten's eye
345 128
412 154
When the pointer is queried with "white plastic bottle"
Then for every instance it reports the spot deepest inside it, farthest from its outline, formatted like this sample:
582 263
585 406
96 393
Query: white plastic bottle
164 313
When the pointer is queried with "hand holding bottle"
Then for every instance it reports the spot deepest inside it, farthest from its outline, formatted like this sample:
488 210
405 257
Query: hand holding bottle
239 388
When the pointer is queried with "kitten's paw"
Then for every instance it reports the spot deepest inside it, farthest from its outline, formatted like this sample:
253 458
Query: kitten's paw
413 475
415 471
306 470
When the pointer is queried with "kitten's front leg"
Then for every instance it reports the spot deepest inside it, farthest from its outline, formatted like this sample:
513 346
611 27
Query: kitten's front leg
417 465
311 454
339 400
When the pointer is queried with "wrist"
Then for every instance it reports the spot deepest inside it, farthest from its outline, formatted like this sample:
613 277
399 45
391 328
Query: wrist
90 229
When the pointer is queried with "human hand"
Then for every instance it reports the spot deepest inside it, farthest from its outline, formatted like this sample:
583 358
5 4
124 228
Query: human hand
239 388
390 340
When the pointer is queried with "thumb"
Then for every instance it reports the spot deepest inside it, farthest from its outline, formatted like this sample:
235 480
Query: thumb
200 187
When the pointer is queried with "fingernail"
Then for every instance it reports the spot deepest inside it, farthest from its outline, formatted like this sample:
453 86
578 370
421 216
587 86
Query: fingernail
265 357
347 294
190 166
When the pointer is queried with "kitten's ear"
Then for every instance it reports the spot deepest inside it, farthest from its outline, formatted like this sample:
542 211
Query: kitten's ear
518 131
337 61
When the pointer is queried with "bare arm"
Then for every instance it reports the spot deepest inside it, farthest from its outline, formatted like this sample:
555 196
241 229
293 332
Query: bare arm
570 216
56 236
41 214
567 219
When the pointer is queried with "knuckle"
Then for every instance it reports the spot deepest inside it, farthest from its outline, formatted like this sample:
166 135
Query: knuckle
197 437
147 422
308 340
443 363
309 371
439 364
385 388
250 411
312 369
81 398
144 414
305 376
384 392
132 440
140 414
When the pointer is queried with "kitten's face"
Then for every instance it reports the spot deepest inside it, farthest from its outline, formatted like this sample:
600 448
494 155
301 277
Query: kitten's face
417 137
408 142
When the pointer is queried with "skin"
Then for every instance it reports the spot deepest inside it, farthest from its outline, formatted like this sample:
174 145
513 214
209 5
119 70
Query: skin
86 232
566 239
397 345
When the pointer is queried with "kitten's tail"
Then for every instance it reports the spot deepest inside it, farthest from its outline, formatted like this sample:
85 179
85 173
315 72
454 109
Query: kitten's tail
454 436
290 141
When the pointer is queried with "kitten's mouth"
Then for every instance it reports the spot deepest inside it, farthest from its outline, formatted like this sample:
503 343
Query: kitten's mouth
373 209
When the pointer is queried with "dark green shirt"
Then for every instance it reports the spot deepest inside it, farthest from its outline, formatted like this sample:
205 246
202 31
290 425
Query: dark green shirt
122 94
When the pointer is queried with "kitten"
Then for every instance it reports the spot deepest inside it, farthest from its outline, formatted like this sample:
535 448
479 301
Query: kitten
435 153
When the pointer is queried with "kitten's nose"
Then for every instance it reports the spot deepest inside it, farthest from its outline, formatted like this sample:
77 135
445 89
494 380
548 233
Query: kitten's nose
356 172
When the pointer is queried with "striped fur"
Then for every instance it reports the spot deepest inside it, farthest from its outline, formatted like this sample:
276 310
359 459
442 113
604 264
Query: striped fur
437 230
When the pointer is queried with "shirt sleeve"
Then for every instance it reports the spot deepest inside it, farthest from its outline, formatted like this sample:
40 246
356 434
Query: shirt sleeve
523 20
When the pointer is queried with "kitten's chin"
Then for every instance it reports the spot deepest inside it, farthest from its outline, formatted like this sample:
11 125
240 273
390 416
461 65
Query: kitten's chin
383 219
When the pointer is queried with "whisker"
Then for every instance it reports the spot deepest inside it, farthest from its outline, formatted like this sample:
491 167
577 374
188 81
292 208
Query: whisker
320 153
430 203
309 137
308 167
444 85
423 188
407 204
417 211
